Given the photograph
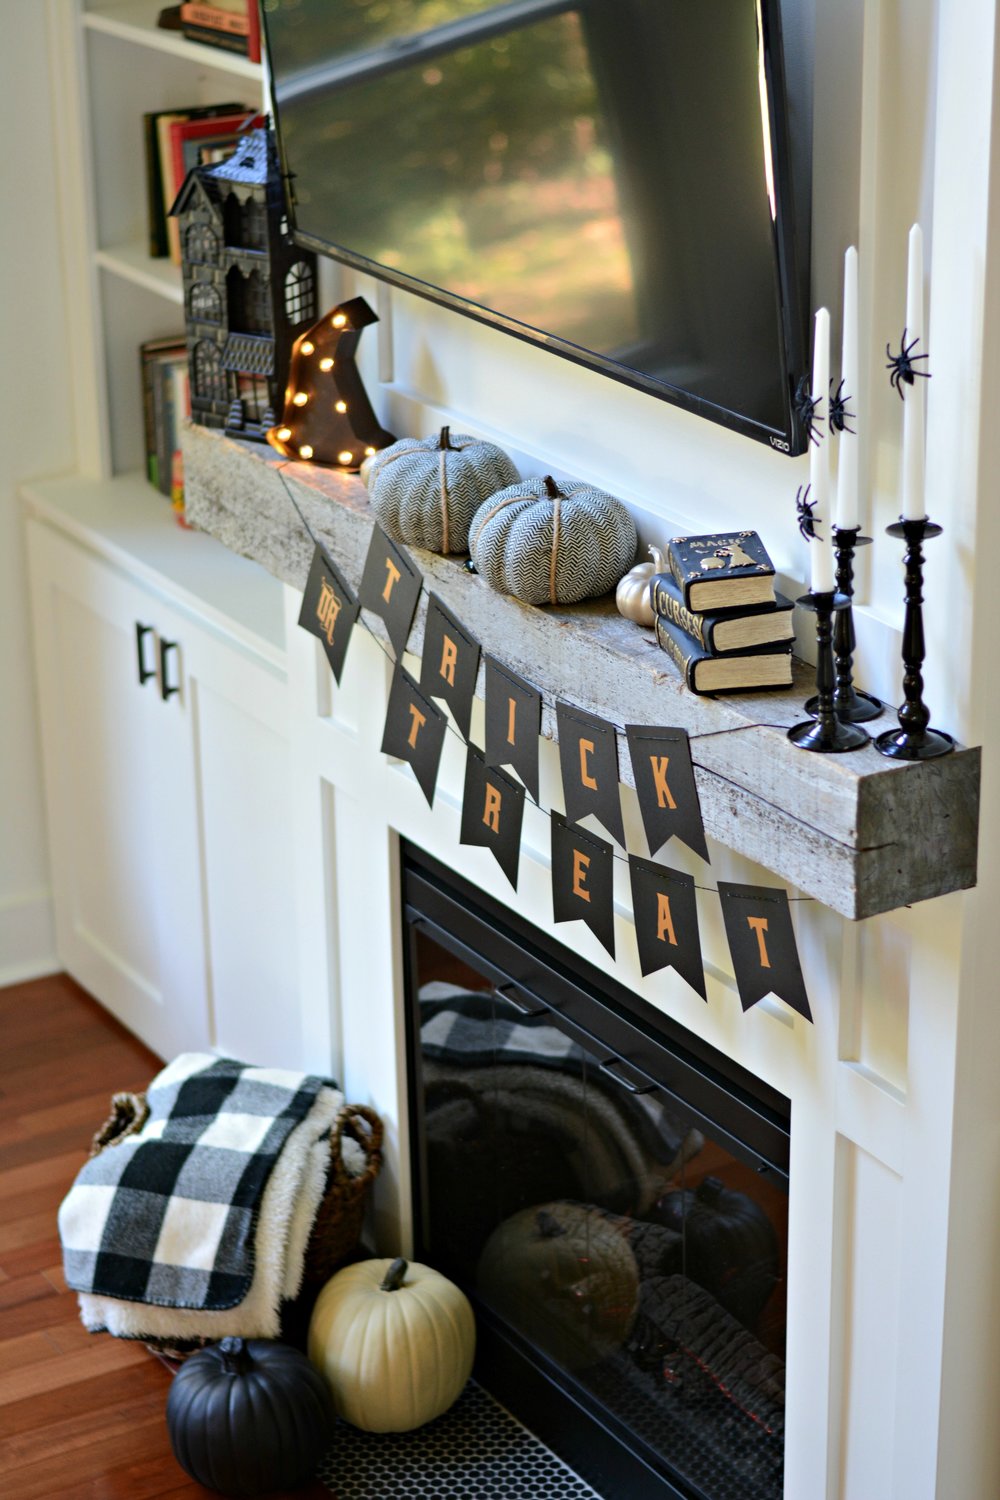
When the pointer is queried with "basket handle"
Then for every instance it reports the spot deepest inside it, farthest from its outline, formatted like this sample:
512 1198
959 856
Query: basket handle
363 1125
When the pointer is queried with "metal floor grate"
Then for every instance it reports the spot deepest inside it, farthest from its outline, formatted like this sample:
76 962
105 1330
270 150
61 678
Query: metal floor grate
476 1451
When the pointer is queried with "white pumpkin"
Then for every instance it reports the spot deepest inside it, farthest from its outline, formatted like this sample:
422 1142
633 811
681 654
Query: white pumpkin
632 594
395 1342
425 491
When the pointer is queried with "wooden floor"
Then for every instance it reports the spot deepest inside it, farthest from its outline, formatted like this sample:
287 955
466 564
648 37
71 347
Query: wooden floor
81 1415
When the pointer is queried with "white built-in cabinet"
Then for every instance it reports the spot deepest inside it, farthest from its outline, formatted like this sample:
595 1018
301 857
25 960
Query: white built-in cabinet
160 656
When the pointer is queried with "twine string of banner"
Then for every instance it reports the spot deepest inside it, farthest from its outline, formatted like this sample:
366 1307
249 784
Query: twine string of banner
450 727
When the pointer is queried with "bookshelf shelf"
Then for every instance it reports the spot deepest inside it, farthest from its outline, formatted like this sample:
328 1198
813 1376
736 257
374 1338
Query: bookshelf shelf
132 263
135 21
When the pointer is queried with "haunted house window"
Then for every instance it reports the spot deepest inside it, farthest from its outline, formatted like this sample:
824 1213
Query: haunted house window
205 303
299 300
245 223
209 376
253 392
249 302
202 244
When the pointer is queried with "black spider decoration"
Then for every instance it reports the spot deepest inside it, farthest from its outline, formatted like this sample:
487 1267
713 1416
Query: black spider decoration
839 415
805 405
902 365
804 509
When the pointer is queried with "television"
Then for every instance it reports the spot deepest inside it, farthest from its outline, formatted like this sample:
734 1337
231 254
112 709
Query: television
608 179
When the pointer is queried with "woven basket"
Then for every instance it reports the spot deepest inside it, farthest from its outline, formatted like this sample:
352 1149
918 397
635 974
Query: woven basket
337 1227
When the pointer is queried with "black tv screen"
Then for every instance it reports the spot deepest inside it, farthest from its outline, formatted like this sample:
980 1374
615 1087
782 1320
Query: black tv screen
607 178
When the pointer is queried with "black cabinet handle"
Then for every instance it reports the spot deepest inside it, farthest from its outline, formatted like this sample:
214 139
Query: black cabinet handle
141 632
505 993
166 690
608 1067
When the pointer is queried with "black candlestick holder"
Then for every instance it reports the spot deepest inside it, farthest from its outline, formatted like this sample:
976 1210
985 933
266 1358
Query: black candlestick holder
852 706
826 732
914 740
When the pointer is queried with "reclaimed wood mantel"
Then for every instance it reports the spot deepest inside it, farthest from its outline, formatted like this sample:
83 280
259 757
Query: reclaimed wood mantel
858 832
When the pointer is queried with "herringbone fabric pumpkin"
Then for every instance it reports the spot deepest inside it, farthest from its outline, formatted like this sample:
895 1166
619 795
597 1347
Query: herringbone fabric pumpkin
425 491
552 544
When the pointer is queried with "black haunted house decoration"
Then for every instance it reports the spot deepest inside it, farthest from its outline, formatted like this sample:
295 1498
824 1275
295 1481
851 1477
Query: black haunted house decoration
249 291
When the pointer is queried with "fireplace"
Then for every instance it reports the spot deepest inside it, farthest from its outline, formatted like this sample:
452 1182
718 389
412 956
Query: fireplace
611 1192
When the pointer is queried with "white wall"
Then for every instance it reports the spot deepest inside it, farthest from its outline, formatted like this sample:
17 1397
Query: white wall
38 438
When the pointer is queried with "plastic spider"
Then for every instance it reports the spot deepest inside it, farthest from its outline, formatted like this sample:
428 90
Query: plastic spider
902 365
804 509
839 415
805 405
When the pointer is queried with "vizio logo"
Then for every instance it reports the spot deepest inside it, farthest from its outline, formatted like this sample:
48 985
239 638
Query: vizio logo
777 442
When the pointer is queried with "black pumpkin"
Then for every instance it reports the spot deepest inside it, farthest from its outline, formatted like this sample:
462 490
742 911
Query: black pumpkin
246 1418
727 1245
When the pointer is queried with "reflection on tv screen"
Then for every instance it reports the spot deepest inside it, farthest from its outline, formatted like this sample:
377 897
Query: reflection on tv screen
598 171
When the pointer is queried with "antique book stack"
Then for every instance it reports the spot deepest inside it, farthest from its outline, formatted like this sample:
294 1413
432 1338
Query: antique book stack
718 616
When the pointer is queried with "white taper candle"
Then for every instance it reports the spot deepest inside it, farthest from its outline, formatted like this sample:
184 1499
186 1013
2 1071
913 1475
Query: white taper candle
914 507
821 547
847 510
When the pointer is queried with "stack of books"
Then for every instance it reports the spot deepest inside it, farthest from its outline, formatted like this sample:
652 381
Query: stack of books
231 24
166 402
175 140
718 616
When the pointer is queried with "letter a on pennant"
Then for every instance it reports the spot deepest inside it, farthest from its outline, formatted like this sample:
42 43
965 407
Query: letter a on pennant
665 909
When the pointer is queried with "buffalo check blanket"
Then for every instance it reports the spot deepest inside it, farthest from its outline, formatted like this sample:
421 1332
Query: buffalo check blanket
171 1216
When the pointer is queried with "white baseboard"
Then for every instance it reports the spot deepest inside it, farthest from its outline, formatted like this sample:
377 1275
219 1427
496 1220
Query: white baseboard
27 937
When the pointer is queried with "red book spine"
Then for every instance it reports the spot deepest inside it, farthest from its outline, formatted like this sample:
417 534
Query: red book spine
253 39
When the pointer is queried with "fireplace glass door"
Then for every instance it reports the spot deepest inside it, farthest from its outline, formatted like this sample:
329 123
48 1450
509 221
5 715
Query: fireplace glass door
630 1246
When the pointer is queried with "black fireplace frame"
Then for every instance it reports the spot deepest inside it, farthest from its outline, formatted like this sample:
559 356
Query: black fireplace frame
645 1047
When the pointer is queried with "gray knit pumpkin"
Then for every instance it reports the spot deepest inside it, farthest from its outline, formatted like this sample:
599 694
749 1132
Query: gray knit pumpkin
425 491
552 544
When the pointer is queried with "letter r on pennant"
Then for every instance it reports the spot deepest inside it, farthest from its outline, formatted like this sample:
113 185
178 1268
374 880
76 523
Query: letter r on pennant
494 804
449 658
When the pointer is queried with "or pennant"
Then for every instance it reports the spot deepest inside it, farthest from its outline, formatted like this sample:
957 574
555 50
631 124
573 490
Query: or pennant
492 812
390 587
762 943
588 758
665 785
414 730
583 880
513 723
329 608
450 663
666 921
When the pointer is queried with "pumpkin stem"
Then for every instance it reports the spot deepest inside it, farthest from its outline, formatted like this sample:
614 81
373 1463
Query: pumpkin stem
709 1190
549 1226
444 441
393 1278
236 1357
551 488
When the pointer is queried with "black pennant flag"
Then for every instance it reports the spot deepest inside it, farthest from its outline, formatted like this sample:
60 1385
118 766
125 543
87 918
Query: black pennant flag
390 587
666 921
450 663
329 608
492 812
513 723
664 782
583 880
762 944
588 758
414 730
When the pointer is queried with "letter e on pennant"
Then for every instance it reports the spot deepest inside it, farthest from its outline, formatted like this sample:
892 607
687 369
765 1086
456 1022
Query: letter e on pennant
581 863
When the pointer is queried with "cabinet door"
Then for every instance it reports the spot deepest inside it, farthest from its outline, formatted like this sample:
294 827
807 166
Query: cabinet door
121 798
239 709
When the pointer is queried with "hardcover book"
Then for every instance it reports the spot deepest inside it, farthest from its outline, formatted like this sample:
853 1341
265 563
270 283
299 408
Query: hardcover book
770 667
726 570
722 631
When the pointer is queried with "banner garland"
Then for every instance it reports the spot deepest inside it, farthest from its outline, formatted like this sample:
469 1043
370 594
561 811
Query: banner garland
757 918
